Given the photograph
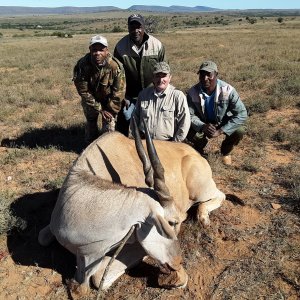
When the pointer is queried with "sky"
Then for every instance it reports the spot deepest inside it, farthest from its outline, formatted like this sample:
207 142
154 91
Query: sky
222 4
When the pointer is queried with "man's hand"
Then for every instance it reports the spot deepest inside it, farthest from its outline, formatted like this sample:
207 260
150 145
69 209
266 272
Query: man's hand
211 131
106 115
127 103
128 111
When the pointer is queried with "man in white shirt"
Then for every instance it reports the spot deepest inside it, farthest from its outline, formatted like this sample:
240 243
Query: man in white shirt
163 108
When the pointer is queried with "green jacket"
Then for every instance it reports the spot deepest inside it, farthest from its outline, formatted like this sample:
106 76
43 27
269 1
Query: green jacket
100 87
229 109
139 66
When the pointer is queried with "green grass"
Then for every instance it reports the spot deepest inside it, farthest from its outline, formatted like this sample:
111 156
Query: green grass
8 220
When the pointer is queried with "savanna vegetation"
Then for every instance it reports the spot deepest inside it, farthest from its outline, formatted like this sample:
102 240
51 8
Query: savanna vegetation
251 251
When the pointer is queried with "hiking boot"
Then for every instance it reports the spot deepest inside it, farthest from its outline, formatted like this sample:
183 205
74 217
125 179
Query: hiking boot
226 159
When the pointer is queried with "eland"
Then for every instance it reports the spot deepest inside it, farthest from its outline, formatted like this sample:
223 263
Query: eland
115 185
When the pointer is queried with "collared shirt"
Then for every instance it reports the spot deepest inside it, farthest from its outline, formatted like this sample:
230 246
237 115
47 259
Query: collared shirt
230 111
139 64
166 114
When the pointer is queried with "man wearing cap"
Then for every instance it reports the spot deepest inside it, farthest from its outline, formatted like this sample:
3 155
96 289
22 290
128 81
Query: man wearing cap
138 52
163 108
215 108
100 81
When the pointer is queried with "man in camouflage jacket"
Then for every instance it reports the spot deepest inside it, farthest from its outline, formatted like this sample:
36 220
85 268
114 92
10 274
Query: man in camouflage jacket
100 81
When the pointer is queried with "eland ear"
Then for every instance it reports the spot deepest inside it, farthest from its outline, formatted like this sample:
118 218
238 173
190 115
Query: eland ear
164 228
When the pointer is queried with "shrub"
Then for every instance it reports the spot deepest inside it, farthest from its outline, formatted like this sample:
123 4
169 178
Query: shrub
279 136
62 34
250 166
288 178
251 20
258 106
280 20
7 220
117 29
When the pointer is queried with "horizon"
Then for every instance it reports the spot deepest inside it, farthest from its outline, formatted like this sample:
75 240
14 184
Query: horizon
125 4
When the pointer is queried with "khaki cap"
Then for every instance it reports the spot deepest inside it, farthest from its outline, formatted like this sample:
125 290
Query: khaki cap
161 67
208 66
99 39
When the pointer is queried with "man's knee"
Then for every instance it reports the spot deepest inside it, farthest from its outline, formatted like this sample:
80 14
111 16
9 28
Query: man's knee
232 140
197 139
238 135
194 136
91 113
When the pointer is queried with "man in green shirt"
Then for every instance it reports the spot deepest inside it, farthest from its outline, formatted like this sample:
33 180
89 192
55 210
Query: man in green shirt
138 52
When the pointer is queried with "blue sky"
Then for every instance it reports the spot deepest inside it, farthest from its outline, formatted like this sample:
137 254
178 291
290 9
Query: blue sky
228 4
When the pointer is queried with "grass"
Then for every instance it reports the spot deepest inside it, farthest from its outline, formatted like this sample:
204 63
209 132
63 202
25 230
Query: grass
288 177
7 219
249 252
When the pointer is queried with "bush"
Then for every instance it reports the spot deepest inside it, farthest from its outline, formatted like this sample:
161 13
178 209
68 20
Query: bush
117 29
154 24
7 220
280 20
279 136
62 34
251 20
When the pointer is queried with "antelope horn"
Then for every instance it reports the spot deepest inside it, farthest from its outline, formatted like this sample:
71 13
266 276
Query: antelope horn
148 171
160 186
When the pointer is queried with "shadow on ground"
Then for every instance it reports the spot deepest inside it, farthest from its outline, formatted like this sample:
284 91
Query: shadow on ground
35 212
35 209
65 139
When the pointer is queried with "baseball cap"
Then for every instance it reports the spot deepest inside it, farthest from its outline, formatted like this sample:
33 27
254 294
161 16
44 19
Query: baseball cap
98 39
161 67
208 66
136 17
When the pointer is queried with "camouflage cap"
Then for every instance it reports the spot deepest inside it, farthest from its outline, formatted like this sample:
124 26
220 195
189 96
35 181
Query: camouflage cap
98 39
161 67
208 66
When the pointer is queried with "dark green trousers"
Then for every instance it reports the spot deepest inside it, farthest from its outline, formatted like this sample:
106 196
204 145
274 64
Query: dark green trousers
199 140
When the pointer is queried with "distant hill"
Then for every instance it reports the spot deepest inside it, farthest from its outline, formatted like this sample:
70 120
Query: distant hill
172 8
23 10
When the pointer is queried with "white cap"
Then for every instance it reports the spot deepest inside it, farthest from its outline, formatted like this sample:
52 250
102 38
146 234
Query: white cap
98 39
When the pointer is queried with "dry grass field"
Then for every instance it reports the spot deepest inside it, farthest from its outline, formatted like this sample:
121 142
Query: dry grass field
251 251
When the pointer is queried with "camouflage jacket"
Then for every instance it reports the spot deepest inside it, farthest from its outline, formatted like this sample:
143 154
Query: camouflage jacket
100 87
139 66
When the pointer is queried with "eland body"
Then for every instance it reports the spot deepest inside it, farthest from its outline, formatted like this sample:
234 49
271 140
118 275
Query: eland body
113 186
